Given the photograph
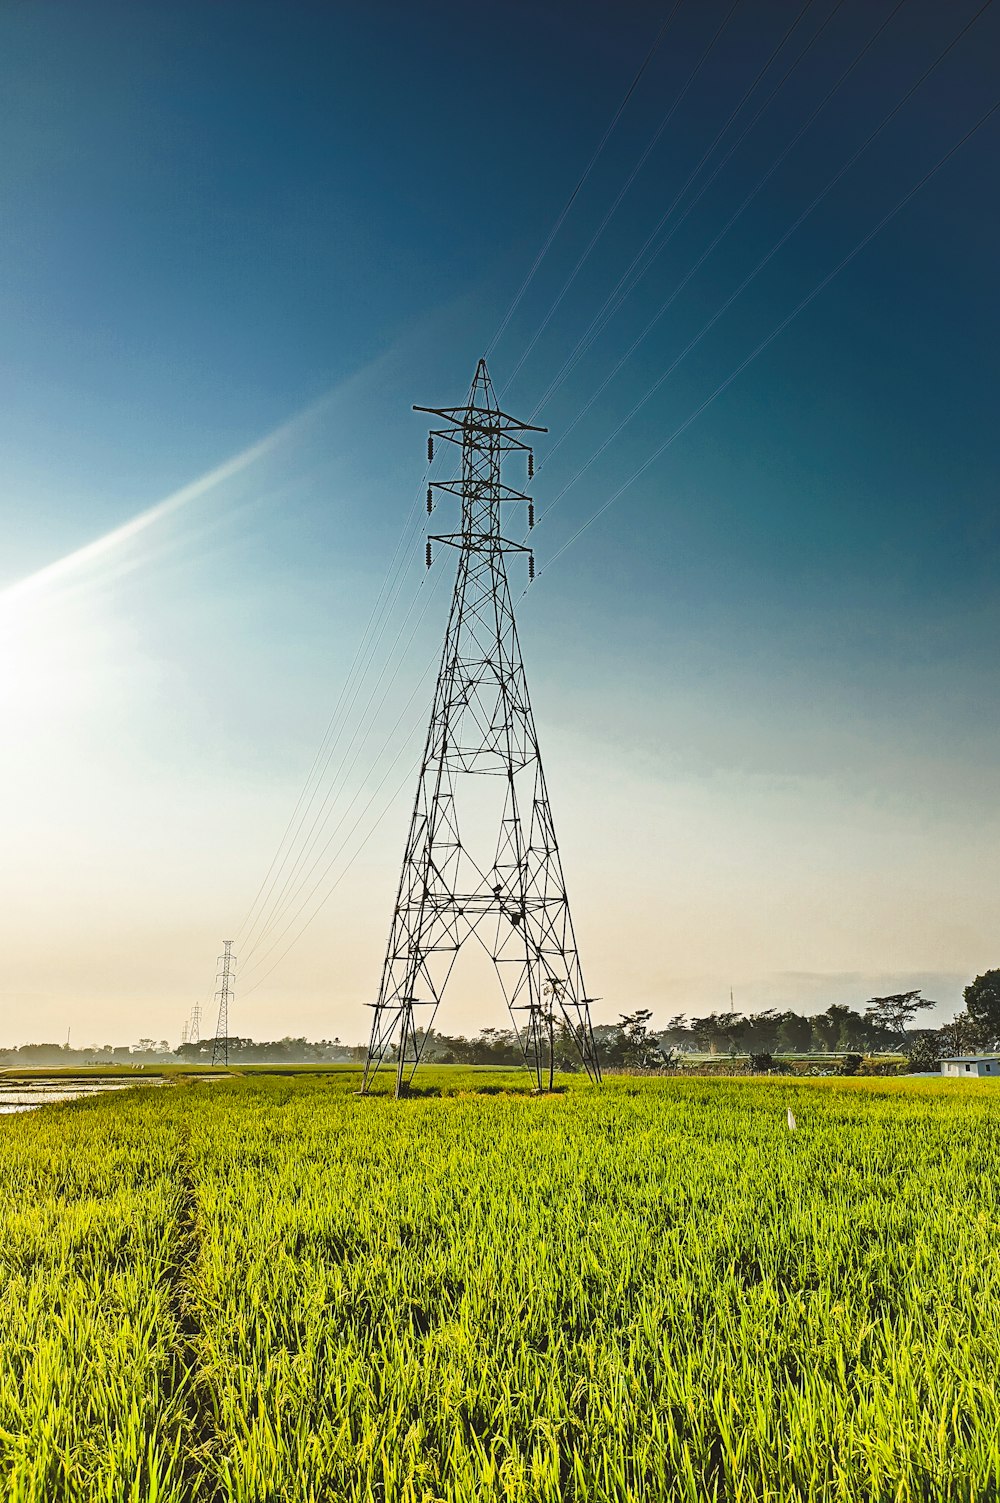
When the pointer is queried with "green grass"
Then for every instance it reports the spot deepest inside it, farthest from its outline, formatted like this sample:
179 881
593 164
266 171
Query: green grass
268 1289
91 1382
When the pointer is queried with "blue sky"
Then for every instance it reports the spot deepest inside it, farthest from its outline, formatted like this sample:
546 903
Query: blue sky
765 678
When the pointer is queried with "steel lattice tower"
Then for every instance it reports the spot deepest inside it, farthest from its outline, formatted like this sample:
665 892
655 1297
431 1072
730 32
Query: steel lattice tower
220 1044
512 900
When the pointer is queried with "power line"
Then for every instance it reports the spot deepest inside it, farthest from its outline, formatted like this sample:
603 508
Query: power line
291 888
623 190
638 267
718 391
266 922
265 901
298 849
367 646
779 329
334 719
271 875
586 173
766 259
411 769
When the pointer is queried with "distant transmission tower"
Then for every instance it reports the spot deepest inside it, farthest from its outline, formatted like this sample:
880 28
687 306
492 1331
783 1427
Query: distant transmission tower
194 1030
511 895
220 1045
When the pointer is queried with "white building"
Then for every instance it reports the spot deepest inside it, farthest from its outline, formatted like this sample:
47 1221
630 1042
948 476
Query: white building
971 1065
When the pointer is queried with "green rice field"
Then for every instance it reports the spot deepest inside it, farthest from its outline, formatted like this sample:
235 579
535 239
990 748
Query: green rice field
266 1289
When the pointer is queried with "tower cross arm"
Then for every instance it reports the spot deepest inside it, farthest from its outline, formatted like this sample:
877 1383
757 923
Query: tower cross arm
459 488
487 542
456 414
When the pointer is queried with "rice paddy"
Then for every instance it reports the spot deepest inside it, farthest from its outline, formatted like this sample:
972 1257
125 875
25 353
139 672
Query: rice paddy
267 1289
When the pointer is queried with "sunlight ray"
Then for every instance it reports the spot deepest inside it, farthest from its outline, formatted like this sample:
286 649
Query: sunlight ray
98 551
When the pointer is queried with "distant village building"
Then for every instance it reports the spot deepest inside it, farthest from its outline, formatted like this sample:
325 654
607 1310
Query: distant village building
971 1065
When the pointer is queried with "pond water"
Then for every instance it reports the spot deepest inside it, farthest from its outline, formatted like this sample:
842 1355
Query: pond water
25 1095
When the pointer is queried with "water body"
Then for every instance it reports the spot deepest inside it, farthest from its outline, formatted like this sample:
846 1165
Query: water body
26 1095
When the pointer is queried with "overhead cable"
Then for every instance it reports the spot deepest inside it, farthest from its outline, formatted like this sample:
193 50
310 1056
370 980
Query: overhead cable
779 329
623 190
649 251
411 769
586 173
662 447
295 882
766 259
367 646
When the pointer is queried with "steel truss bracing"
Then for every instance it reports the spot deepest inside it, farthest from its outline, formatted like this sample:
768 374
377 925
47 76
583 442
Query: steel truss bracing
510 895
226 977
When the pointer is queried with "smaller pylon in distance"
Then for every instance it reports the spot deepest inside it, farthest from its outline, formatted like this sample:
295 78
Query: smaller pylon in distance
226 977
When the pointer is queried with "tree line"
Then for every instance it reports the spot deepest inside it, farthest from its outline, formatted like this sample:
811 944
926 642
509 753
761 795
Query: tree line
884 1025
150 1052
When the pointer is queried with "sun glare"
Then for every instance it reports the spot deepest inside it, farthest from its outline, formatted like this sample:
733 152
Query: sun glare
44 667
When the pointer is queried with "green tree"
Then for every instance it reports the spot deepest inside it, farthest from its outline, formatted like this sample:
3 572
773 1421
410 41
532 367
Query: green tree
849 1028
923 1049
677 1031
982 1003
960 1035
794 1033
759 1032
891 1014
715 1031
567 1053
826 1030
637 1045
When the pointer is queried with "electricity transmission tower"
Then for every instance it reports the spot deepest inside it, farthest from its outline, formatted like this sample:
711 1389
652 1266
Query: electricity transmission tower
220 1044
194 1032
510 896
